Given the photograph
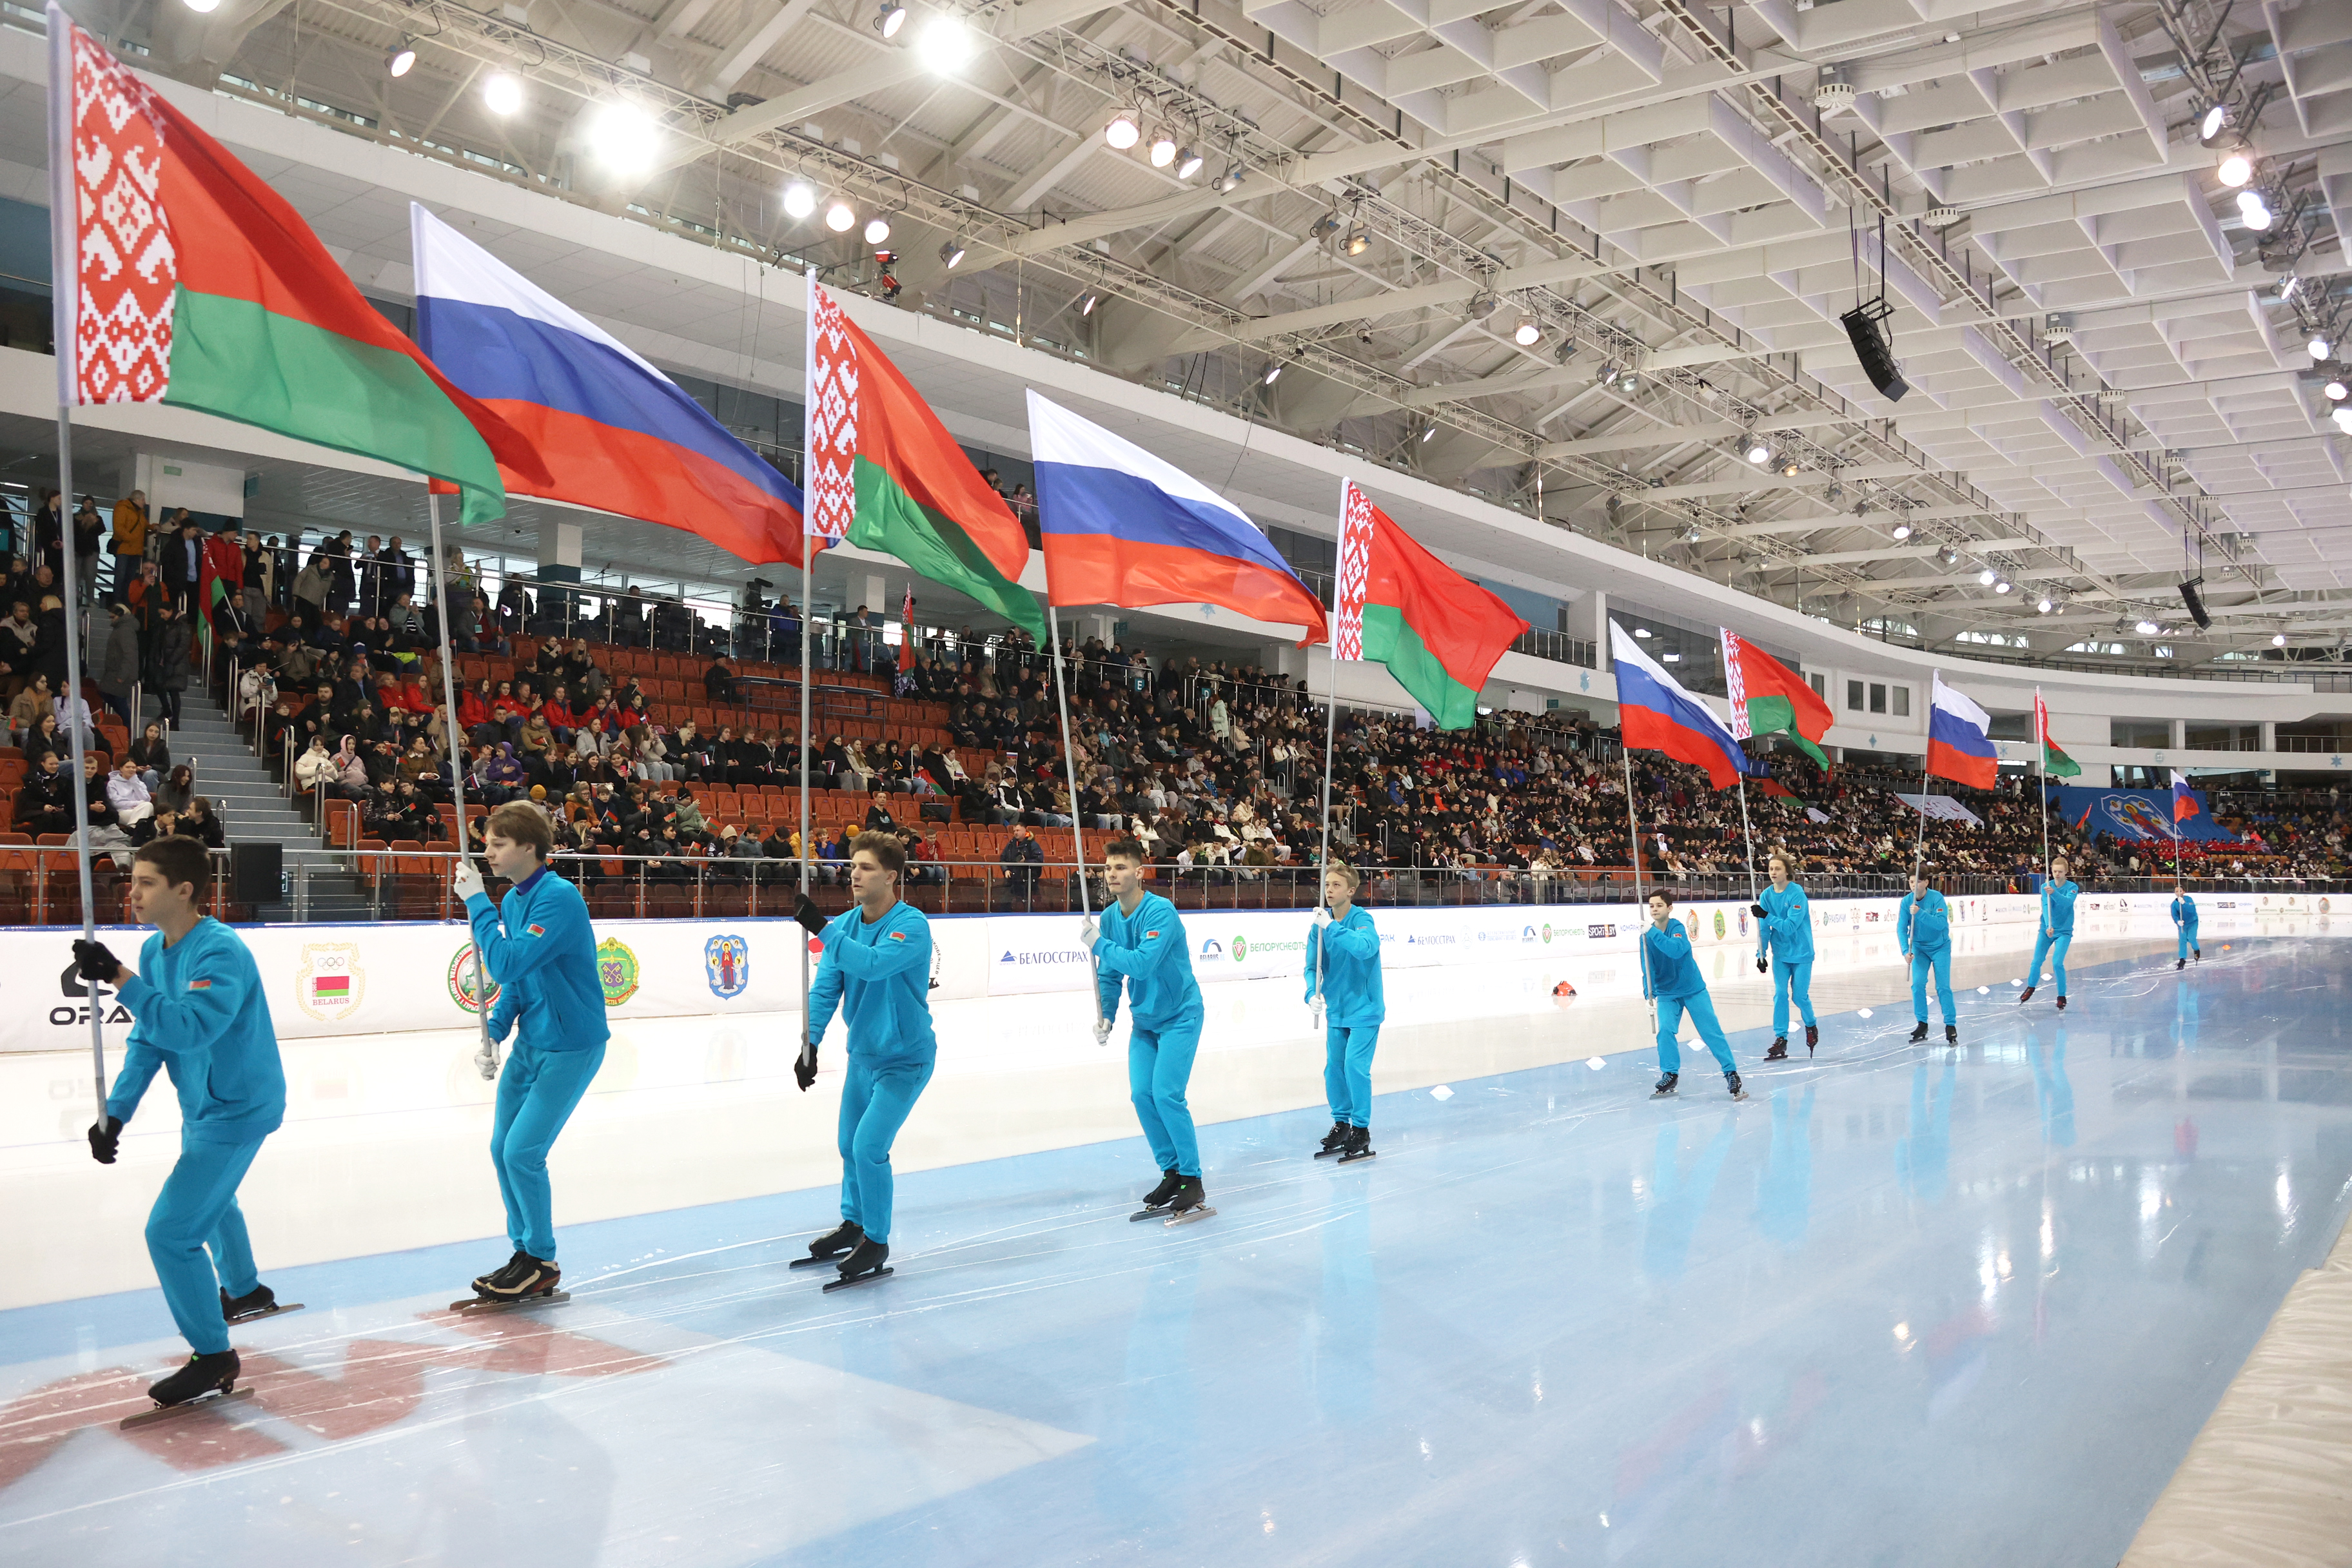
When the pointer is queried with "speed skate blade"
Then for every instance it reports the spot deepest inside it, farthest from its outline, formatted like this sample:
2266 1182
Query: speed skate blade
813 1262
1147 1214
1200 1211
1324 1153
883 1273
165 1412
474 1306
279 1310
1360 1154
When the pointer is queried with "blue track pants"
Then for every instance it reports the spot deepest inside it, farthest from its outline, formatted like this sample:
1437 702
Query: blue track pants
1348 1071
1941 960
2187 941
198 1210
2056 947
1701 1008
538 1090
1159 1067
875 1102
1792 979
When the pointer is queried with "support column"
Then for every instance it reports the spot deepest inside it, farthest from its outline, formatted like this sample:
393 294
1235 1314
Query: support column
559 563
2179 734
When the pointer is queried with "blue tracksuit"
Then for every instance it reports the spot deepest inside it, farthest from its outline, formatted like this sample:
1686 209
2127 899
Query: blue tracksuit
1786 934
2184 915
2057 932
1148 951
1671 974
878 972
538 945
201 1015
1923 926
1353 1011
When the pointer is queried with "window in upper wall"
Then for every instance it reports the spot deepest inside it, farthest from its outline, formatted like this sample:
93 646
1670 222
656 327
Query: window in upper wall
1877 697
1853 696
1900 696
1821 685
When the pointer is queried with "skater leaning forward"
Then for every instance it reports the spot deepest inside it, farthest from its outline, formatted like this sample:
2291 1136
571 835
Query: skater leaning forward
1670 975
198 1013
877 970
1139 946
540 952
1343 987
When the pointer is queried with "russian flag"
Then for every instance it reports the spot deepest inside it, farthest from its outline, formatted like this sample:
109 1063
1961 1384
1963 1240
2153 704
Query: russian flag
2184 799
1959 743
1656 714
616 434
1122 527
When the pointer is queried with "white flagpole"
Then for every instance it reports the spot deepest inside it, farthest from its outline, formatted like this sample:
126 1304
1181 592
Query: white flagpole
808 679
2041 749
486 1057
1070 767
1640 904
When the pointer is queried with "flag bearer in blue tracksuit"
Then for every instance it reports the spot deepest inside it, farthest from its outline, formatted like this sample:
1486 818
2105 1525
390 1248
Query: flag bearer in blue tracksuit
1343 987
878 970
2055 934
199 1015
1670 975
540 953
1139 943
2184 916
1784 931
1923 928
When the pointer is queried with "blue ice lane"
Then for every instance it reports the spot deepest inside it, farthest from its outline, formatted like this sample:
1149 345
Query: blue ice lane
1904 1306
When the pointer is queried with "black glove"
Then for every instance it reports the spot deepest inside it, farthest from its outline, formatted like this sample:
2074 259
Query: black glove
804 1067
805 910
1763 966
93 961
1759 911
103 1136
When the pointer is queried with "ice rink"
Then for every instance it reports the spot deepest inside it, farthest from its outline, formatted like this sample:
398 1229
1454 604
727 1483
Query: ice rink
1907 1305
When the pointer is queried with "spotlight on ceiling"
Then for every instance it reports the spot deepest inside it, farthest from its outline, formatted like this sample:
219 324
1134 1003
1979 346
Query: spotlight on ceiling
1163 150
501 94
1791 468
624 138
1607 376
204 7
2255 209
1358 241
840 217
1188 163
1528 334
1231 180
1483 304
1123 132
890 19
877 230
800 200
2343 418
2145 628
2278 639
1951 556
2319 347
2235 169
1986 578
1628 382
1756 452
1427 431
401 57
1642 632
1902 531
1087 301
951 254
2210 124
945 46
2042 604
2001 586
2336 391
1273 373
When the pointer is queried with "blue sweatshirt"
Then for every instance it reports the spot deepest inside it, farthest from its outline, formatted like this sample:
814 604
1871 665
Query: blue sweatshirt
878 973
540 950
1148 950
1788 930
1670 970
1933 932
2058 907
1351 975
2184 910
200 1015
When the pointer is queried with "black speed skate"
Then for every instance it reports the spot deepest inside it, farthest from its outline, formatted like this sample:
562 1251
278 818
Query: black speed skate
866 1261
2199 952
2062 1004
259 1302
2026 996
524 1281
1156 1201
203 1378
825 1248
1190 1203
1333 1141
1812 1037
1665 1086
1919 1031
2180 963
1779 1051
1359 1146
1731 1082
1951 1034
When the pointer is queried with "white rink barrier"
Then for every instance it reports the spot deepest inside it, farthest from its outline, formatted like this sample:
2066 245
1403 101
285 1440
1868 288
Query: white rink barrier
390 977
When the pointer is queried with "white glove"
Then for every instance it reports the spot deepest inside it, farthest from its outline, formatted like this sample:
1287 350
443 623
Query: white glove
1322 916
1315 1005
467 880
1102 1028
1086 930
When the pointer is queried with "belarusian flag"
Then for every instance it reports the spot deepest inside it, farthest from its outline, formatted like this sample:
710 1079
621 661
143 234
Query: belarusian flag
2056 764
1769 697
1438 632
180 278
884 474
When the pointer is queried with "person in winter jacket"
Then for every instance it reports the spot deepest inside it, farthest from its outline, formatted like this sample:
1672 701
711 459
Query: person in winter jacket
167 663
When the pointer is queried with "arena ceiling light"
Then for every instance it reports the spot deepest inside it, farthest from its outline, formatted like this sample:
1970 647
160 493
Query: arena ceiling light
2336 391
2146 628
1231 180
400 58
624 138
2343 418
1642 632
2255 209
800 200
1358 241
1426 432
1188 163
2235 169
204 7
890 19
2002 586
1902 531
2210 124
1756 452
2042 604
1528 334
877 230
945 46
1087 301
1483 304
1163 150
1791 468
1951 556
1273 373
951 254
840 217
501 94
2319 347
1986 578
2278 639
1124 131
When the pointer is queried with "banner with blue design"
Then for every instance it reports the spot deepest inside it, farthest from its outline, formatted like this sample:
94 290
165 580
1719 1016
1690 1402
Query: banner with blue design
2138 814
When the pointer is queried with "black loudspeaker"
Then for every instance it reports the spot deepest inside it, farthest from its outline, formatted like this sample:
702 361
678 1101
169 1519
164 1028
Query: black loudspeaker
2196 603
257 872
1864 326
